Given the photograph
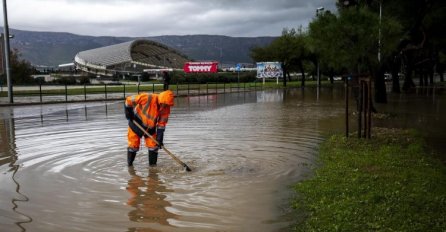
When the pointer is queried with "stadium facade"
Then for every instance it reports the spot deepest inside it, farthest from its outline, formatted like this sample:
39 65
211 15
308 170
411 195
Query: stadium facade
129 58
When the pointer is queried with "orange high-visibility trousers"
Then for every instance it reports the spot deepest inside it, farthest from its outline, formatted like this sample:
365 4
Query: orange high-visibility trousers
134 141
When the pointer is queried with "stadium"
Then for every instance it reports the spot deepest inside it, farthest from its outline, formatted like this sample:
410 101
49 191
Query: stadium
129 58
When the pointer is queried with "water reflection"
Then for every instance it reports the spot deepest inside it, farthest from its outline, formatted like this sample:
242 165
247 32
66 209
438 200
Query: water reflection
22 198
9 157
213 101
272 96
147 197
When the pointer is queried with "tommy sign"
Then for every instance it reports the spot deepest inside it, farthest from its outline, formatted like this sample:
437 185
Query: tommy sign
200 67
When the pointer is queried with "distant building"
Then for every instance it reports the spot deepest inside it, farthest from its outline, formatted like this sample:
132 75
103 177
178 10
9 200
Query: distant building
44 68
44 77
129 58
69 67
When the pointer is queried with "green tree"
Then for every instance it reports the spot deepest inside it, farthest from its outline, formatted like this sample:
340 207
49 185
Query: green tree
21 70
350 42
321 38
421 42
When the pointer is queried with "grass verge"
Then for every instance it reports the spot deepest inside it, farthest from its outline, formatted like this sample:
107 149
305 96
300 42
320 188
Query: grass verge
388 183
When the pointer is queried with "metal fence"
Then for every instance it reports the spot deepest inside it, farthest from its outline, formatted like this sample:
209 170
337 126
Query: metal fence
103 92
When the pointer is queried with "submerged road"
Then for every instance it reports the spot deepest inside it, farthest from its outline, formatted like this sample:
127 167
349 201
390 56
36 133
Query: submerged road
63 167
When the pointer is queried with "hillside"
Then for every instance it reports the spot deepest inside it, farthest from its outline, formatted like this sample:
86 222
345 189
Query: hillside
54 48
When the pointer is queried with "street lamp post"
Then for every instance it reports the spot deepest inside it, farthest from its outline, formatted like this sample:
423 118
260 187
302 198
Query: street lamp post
6 52
318 10
379 34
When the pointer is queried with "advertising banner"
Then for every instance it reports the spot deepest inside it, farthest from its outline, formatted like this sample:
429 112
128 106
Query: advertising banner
269 70
200 67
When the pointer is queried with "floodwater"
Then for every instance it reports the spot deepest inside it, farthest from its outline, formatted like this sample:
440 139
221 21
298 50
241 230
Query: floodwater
424 111
63 167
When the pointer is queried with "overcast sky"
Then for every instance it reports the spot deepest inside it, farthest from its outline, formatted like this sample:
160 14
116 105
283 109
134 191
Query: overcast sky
163 17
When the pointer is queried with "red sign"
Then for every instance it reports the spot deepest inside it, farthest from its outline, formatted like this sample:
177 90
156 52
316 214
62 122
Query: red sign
200 67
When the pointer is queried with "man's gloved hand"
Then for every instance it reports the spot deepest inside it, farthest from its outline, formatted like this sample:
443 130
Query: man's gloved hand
129 115
160 136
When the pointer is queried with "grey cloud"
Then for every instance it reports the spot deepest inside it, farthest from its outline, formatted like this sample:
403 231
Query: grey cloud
161 17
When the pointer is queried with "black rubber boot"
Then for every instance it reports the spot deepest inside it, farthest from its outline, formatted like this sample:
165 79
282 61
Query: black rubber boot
153 157
130 157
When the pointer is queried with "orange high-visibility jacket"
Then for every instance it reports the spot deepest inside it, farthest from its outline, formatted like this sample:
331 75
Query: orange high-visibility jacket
147 111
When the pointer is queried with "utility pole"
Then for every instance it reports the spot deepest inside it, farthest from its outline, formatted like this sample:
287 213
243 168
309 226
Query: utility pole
379 34
318 10
6 52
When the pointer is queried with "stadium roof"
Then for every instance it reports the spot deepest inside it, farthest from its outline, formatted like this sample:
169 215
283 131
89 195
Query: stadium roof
130 57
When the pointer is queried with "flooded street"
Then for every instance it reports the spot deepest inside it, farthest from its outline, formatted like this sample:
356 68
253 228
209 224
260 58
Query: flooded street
64 168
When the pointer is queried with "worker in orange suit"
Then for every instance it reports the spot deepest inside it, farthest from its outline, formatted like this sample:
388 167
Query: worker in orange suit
151 112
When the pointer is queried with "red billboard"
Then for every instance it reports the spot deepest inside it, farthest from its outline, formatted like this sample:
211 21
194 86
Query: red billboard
200 67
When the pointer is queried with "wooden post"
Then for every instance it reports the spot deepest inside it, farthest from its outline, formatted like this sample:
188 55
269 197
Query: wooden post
346 106
365 109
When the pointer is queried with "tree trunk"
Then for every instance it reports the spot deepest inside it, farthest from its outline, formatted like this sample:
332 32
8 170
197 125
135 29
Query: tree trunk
331 75
284 70
408 81
395 82
440 71
301 66
380 86
396 64
431 77
421 79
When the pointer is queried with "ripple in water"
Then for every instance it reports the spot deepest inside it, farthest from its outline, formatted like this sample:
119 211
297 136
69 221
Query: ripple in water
243 156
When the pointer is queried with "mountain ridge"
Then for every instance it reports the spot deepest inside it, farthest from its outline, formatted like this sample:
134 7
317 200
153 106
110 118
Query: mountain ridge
54 48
